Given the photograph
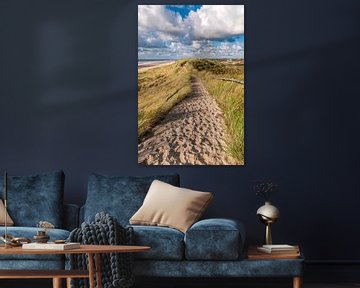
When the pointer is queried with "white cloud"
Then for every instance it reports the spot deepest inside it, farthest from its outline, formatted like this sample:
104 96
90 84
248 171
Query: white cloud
230 50
217 21
157 17
151 41
196 44
206 32
158 24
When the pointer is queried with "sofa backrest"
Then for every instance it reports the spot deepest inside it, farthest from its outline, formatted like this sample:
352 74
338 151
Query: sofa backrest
35 198
119 196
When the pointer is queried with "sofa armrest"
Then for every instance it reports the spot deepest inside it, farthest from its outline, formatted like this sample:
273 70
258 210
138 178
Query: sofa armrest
71 216
215 239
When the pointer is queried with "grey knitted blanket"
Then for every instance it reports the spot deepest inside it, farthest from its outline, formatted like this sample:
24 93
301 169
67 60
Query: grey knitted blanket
116 268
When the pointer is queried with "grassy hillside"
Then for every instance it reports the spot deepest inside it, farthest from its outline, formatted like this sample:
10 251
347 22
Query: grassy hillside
159 89
216 76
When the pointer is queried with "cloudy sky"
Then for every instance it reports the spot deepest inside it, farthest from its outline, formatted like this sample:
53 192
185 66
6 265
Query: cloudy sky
185 31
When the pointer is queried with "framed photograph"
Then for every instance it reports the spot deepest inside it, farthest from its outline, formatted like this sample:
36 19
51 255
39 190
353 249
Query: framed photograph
191 84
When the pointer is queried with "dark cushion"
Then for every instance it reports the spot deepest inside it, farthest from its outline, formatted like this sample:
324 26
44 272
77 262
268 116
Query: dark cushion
214 239
35 198
29 232
166 243
237 268
119 196
31 265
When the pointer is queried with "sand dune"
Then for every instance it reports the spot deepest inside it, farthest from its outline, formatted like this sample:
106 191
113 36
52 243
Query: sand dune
193 132
152 64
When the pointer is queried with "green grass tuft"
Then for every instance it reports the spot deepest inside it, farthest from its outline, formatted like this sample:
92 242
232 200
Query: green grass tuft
230 97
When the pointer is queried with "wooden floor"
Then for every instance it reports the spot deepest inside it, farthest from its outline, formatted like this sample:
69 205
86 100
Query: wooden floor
343 285
263 285
45 283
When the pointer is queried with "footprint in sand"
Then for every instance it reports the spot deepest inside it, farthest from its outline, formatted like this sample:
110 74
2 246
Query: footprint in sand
197 137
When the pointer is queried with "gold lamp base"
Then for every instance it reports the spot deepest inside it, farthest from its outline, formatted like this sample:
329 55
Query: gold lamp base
268 214
268 237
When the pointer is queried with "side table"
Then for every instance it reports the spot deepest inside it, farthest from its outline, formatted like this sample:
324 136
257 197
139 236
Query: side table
289 261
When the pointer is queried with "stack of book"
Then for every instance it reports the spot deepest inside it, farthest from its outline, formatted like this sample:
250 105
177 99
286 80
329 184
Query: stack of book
274 252
278 249
51 246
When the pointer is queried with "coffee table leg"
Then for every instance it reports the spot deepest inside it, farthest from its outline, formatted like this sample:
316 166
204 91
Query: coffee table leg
91 270
57 283
98 270
297 282
68 282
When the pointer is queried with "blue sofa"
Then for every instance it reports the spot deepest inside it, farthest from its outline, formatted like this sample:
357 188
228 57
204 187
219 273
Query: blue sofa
210 248
32 199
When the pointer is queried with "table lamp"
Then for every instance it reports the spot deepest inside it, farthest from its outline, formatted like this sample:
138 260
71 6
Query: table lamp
268 214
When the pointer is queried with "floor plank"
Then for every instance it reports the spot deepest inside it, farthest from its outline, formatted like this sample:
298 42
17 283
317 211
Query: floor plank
45 283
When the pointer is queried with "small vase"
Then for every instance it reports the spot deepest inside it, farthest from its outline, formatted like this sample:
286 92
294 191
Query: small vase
41 237
268 214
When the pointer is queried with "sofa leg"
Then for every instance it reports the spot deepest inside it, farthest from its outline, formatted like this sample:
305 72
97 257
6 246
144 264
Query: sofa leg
297 282
57 283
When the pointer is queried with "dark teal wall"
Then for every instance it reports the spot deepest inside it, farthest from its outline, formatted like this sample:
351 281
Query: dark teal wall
68 100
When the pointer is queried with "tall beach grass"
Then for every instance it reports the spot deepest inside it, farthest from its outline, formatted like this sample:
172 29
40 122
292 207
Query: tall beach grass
229 96
159 89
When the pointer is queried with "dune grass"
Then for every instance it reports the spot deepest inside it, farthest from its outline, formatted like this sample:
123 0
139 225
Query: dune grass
159 89
229 95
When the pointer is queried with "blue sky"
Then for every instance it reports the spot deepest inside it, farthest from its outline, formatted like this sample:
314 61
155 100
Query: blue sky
187 31
183 10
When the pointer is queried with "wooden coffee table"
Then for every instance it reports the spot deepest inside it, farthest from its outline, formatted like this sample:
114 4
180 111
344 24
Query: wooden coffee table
57 275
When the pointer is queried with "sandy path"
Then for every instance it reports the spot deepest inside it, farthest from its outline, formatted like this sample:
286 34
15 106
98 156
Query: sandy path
193 132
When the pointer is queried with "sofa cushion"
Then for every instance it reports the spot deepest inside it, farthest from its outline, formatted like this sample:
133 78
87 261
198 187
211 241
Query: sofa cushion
29 232
38 264
35 198
169 206
214 239
165 243
213 269
119 196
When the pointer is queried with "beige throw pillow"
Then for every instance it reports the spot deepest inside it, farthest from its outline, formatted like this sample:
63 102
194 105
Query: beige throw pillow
170 206
10 222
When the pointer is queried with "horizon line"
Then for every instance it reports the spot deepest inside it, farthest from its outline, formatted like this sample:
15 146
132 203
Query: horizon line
214 58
